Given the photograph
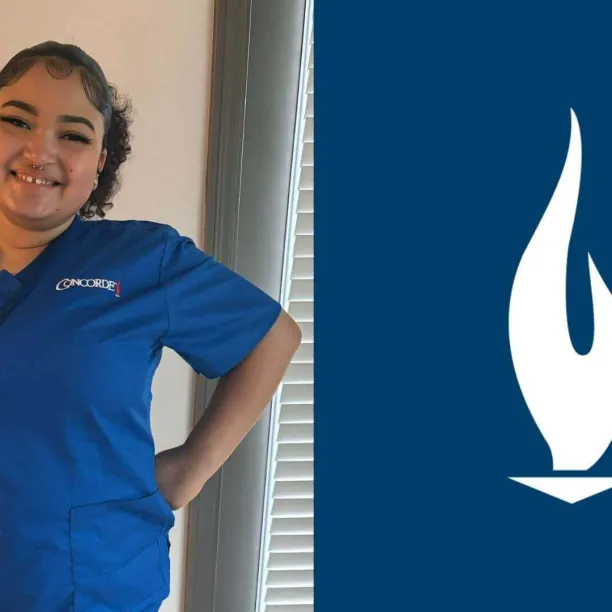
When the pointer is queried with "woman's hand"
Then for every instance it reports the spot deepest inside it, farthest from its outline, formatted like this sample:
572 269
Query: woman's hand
175 483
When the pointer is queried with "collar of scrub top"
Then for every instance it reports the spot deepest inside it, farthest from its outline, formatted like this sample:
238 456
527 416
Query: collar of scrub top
14 288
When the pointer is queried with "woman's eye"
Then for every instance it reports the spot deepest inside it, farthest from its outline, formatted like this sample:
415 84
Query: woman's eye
77 138
20 123
71 137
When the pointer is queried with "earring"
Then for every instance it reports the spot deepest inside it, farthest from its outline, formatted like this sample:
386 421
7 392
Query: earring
95 184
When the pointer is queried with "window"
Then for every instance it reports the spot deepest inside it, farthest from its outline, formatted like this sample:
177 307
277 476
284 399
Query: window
286 582
259 222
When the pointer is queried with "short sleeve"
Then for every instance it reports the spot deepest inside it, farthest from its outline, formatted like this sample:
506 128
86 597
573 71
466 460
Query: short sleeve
215 316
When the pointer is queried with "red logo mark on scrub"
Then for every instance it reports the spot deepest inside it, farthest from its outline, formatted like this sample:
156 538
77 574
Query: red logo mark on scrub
90 283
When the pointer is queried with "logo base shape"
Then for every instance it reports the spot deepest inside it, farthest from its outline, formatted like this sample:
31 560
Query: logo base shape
567 488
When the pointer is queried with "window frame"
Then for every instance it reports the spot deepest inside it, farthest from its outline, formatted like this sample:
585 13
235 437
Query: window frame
254 98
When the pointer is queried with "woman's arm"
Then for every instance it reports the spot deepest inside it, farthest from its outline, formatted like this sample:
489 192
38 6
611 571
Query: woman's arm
238 402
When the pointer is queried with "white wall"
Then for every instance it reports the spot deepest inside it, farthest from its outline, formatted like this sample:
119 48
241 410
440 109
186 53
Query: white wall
160 54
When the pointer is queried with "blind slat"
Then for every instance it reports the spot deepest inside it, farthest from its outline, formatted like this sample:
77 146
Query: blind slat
305 224
303 560
303 269
297 413
302 312
304 246
293 526
309 130
307 178
290 578
290 596
308 156
291 451
293 470
310 106
294 489
297 393
305 202
301 290
291 544
305 354
292 508
300 373
296 432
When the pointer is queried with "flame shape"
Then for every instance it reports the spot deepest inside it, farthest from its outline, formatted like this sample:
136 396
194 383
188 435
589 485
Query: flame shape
569 395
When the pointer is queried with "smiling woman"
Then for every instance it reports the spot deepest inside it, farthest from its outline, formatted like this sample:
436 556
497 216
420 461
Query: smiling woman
77 139
86 506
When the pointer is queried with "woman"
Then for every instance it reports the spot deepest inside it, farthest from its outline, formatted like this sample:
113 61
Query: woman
85 311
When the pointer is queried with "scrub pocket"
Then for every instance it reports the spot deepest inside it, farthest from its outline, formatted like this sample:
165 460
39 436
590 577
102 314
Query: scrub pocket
120 554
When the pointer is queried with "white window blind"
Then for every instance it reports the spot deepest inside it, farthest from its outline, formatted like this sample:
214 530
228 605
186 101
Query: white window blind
286 581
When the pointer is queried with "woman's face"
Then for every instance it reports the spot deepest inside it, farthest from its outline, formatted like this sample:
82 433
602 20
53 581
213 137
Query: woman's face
47 122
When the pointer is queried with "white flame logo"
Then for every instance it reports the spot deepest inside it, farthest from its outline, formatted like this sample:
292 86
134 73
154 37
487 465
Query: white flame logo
569 395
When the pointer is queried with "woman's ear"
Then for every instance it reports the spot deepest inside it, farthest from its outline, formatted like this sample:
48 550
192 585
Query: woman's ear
102 161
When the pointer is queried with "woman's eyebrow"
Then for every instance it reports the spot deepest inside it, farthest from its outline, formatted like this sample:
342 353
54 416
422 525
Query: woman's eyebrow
28 108
24 106
76 119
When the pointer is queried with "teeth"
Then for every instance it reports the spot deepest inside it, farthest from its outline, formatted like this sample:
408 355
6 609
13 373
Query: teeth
34 181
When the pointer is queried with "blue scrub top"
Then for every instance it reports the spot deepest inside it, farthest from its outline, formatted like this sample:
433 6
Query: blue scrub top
83 527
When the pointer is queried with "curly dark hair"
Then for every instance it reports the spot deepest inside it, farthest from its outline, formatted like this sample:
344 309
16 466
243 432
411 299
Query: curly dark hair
61 60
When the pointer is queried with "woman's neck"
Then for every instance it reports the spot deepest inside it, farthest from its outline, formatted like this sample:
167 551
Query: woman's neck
20 246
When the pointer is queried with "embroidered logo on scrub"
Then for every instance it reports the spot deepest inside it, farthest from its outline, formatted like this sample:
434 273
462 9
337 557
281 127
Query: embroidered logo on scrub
90 283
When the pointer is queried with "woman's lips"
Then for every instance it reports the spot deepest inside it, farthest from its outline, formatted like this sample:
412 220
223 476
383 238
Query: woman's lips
34 181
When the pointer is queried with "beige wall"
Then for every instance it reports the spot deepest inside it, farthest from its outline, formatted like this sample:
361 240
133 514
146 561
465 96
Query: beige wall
160 54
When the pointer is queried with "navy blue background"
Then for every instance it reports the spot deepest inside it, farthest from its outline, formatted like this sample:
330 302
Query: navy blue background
441 135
